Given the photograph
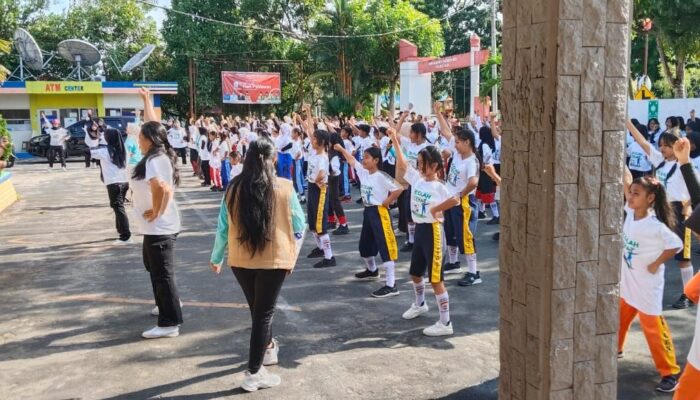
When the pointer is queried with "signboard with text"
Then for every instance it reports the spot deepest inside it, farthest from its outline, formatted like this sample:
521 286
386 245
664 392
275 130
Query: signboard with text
453 62
46 87
251 87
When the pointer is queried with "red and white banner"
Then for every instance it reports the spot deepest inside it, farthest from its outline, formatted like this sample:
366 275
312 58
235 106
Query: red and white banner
251 87
453 62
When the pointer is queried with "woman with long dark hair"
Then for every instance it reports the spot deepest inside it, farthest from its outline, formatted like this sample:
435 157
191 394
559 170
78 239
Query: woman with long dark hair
486 190
154 180
336 214
262 223
115 177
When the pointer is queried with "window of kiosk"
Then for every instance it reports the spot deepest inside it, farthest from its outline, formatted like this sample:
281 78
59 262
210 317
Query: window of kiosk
69 116
113 112
84 112
17 120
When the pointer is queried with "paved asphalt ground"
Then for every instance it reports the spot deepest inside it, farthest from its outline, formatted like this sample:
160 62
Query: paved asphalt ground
73 308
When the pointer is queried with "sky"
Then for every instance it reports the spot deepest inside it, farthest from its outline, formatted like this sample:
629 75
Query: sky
58 6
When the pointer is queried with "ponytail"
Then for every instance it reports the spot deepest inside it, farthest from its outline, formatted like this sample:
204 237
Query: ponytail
662 208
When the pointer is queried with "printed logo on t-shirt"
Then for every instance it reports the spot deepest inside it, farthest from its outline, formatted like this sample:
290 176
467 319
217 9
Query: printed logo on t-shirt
420 203
452 175
662 176
630 246
366 192
636 160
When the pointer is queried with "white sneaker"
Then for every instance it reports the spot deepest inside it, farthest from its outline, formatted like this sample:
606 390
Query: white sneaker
119 242
271 353
161 332
262 380
64 169
438 329
415 311
155 312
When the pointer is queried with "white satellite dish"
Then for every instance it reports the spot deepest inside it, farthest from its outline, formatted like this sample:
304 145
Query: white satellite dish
138 59
30 55
81 54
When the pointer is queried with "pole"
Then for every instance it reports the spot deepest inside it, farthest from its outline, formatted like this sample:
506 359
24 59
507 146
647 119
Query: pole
191 91
494 68
646 51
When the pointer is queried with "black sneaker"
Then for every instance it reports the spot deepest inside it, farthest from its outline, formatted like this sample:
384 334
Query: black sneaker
482 215
620 354
452 268
668 384
385 291
406 247
342 230
470 279
331 226
682 303
315 253
496 236
326 262
367 274
494 221
303 200
358 201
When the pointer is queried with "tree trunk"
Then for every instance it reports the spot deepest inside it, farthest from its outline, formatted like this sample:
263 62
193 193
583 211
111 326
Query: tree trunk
679 83
392 97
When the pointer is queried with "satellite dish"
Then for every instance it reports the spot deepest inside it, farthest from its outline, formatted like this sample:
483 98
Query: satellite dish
29 51
138 59
80 53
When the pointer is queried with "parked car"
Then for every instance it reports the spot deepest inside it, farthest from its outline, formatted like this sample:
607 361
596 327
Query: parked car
75 146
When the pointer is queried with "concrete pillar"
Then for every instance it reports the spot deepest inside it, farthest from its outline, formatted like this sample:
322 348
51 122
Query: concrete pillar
415 88
475 45
565 68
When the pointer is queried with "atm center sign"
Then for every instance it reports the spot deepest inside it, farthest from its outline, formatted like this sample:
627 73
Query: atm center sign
63 87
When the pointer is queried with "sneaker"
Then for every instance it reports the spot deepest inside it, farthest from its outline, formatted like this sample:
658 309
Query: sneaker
120 242
496 236
438 329
303 200
385 291
494 221
342 230
620 354
470 279
261 380
668 384
155 312
682 303
326 262
161 332
358 201
451 268
331 226
482 215
271 353
315 253
367 274
406 247
64 169
415 311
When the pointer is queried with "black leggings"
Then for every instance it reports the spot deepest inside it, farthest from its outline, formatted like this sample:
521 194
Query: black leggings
158 260
205 171
261 288
117 194
336 207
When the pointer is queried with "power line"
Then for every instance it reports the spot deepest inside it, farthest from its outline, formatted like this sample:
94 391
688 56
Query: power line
288 33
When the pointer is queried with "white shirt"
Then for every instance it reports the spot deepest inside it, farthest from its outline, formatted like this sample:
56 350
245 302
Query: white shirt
58 136
638 158
411 150
335 166
297 149
675 185
375 187
386 156
316 164
202 148
110 172
497 152
157 167
194 138
643 242
224 150
487 156
461 170
215 154
176 138
235 171
90 142
424 196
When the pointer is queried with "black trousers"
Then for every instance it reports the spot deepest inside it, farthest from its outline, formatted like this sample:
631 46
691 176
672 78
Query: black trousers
57 151
404 202
182 153
336 207
205 171
261 288
158 260
117 193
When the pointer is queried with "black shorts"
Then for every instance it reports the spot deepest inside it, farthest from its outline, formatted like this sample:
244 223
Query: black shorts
427 252
317 208
194 155
377 234
683 233
457 231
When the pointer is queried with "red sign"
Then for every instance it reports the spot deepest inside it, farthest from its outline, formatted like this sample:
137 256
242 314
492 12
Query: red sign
251 87
453 62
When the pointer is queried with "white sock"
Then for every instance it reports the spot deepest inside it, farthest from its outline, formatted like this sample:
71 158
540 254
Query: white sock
390 279
452 253
318 241
443 301
411 232
494 209
687 274
471 263
370 263
419 289
326 246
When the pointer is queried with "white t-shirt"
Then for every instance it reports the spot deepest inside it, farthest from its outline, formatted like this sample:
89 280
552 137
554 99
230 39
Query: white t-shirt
235 171
411 150
643 242
349 146
215 154
675 185
386 156
654 136
487 157
176 138
357 141
316 164
202 147
110 172
638 158
424 196
497 152
194 138
335 166
167 224
224 150
58 136
375 187
461 170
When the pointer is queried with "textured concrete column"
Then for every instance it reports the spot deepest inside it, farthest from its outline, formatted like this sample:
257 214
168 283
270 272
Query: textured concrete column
565 67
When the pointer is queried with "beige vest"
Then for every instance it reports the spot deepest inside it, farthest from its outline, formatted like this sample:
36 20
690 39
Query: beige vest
280 252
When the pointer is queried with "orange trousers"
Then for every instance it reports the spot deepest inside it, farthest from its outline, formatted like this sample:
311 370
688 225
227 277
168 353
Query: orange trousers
657 334
689 385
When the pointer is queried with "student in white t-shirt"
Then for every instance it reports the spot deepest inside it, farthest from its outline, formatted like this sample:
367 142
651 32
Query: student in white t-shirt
154 180
648 242
669 174
429 198
176 138
638 161
58 136
204 156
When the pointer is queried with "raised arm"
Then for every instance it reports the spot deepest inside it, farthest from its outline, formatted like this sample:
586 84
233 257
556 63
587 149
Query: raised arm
444 125
399 124
639 138
149 113
401 162
627 182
